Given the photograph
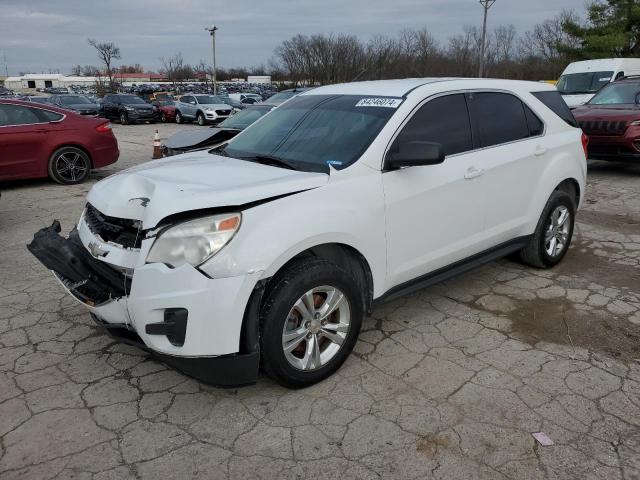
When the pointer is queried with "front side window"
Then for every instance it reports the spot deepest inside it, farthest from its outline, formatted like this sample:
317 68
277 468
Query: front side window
498 118
311 132
586 82
443 120
617 94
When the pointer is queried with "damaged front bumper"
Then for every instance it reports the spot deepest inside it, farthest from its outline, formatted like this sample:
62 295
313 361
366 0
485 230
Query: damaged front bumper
91 282
190 321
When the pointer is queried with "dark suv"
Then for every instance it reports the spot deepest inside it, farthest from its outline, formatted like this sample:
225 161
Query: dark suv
611 119
127 109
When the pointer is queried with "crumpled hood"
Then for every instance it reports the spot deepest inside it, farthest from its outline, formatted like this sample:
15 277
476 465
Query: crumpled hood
192 181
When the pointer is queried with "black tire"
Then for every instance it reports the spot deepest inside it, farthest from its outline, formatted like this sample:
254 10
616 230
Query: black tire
124 118
69 166
283 292
179 118
163 118
535 252
200 119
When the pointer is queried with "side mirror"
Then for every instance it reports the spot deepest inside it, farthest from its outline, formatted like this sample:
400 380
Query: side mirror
415 154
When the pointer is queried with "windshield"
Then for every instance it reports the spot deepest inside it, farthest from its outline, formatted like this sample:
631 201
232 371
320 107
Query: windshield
209 99
131 99
586 82
616 94
244 118
165 103
315 131
73 100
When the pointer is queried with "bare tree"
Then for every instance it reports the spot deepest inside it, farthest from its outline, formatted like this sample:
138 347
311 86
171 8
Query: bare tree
172 67
107 53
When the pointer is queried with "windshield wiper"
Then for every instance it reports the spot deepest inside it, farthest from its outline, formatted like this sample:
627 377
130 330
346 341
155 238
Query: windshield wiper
271 160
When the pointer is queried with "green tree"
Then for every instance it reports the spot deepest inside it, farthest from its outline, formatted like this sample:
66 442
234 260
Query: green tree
612 29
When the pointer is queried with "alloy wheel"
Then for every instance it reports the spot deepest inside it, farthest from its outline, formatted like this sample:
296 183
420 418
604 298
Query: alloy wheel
70 166
557 232
316 328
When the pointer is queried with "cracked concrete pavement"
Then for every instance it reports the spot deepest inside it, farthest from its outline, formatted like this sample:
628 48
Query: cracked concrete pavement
447 383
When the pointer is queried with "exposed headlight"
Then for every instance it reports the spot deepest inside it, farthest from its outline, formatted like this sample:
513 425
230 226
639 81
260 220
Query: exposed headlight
195 241
129 108
635 123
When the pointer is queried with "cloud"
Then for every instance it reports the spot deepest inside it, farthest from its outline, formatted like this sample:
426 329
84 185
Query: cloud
39 35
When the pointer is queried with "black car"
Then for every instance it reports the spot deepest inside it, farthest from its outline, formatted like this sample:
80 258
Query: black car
189 140
127 109
76 103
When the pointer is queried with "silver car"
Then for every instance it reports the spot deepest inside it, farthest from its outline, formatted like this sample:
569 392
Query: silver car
201 108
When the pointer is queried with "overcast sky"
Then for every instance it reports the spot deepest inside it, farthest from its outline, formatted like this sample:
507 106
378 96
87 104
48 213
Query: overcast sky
39 35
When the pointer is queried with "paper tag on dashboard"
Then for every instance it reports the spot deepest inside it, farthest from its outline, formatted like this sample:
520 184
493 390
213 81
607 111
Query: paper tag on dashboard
379 102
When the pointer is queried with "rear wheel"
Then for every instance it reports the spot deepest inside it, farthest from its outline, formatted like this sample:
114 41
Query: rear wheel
310 321
553 234
200 119
69 165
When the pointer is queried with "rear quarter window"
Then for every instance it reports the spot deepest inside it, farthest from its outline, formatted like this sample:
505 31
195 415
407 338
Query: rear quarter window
554 101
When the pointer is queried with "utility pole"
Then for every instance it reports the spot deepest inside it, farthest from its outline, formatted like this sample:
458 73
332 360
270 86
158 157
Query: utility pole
486 5
212 32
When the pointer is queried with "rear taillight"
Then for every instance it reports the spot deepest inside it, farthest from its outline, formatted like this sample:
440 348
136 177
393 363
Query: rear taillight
104 127
585 144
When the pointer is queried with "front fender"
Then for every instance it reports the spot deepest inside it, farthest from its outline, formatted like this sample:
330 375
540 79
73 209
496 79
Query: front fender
348 211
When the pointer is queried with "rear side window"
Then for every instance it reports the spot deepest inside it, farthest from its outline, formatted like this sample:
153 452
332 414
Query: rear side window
18 115
498 118
536 127
47 115
444 120
554 101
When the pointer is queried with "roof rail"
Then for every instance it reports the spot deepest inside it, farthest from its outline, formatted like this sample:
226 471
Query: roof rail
627 77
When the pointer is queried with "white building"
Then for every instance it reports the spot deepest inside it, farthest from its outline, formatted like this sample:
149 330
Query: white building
43 80
263 79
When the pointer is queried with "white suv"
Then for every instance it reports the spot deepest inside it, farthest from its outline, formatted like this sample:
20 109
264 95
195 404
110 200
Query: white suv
270 250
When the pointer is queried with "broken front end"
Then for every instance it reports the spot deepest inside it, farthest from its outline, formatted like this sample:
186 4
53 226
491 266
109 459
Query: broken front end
188 319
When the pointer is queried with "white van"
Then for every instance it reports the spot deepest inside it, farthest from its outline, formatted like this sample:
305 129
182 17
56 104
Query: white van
581 80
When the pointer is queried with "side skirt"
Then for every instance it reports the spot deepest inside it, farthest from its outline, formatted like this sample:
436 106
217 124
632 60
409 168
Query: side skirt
453 270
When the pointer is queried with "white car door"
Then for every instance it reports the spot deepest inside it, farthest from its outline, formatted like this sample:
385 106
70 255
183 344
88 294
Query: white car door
435 213
513 155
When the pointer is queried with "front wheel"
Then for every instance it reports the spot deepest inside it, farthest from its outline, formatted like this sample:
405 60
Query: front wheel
69 165
309 321
124 118
163 117
179 118
553 234
200 119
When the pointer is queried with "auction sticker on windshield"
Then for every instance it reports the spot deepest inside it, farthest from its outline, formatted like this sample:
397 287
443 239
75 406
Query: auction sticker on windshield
379 102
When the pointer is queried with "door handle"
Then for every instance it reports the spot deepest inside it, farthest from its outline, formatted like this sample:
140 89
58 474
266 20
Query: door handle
473 172
540 150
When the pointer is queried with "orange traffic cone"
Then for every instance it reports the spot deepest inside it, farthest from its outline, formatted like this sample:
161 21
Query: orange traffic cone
157 149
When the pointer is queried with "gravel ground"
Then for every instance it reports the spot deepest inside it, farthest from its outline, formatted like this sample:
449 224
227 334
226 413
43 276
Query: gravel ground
447 383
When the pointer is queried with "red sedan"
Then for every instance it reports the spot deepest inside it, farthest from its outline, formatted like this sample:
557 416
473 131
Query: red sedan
167 109
38 140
